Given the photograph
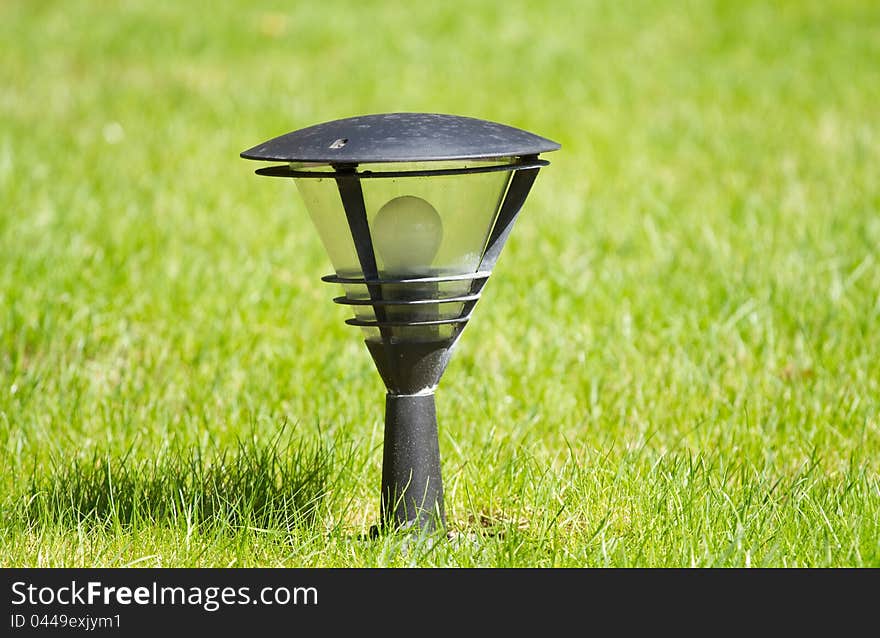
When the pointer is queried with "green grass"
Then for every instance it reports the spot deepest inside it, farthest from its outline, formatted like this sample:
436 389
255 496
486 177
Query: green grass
675 363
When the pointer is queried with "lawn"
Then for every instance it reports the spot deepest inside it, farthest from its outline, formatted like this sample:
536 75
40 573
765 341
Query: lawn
674 364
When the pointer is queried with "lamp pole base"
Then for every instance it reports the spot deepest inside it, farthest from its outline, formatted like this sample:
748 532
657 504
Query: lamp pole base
412 489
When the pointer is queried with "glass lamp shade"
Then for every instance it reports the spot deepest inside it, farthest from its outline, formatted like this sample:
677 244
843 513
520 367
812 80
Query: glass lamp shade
427 235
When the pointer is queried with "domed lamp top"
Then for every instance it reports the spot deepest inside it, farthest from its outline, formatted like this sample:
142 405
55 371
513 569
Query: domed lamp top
400 137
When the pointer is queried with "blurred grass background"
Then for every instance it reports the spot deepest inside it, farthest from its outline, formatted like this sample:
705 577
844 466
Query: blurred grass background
675 362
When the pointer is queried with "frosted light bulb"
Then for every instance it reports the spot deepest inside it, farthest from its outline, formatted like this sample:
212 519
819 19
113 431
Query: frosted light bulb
407 232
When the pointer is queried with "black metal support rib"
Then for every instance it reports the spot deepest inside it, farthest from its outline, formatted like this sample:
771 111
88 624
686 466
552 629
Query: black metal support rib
356 213
520 185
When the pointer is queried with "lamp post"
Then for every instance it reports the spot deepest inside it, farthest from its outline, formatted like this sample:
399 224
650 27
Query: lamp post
413 209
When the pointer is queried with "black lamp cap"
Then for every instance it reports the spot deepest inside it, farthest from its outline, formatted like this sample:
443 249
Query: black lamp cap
400 137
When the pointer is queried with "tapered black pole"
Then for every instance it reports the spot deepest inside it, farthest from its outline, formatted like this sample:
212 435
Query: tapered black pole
412 490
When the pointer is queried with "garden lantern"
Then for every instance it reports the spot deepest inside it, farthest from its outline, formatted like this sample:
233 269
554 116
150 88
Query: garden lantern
413 210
